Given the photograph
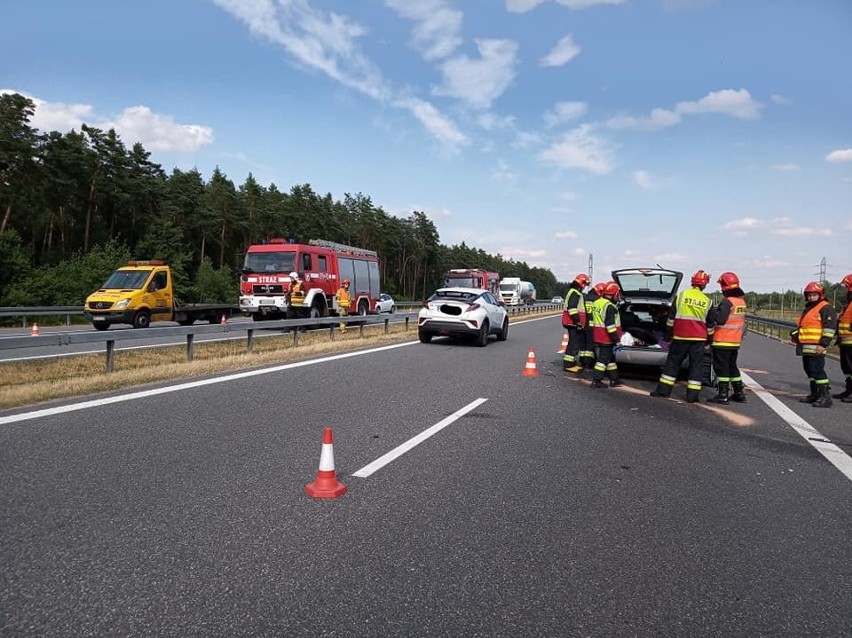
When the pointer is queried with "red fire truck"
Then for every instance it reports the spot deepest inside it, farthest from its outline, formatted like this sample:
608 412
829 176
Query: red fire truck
322 265
473 278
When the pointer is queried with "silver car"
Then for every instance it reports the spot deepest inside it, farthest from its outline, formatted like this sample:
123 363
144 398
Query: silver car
385 303
463 312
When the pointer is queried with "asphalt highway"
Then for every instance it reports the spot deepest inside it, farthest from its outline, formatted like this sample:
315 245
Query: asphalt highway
548 509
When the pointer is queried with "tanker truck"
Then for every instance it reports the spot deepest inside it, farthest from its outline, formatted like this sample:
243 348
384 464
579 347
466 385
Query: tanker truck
516 292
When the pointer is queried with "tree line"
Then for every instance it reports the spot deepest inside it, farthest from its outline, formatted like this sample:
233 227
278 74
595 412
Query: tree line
75 205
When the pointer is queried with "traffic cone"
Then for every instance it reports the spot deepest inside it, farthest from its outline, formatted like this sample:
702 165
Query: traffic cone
34 332
224 319
326 484
564 342
530 369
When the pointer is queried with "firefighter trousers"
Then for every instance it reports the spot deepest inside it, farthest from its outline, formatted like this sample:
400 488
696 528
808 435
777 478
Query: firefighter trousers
576 344
725 364
679 351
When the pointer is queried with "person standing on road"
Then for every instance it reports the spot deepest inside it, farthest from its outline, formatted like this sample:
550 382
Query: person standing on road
816 330
587 355
344 300
574 321
607 333
844 339
689 328
730 316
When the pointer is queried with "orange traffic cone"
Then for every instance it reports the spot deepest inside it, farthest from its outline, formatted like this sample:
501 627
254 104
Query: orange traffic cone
34 332
326 484
530 369
564 342
224 319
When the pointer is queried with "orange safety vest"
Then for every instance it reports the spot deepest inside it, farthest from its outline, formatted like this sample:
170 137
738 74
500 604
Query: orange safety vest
844 325
690 321
730 335
343 298
810 328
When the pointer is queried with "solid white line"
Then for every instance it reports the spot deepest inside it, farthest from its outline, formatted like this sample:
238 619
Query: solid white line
837 457
398 451
37 414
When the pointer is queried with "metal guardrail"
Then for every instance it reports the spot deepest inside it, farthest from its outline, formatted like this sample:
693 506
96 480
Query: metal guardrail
774 328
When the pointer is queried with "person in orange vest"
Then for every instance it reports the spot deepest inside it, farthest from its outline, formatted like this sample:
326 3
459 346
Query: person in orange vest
727 338
844 339
574 321
344 300
607 333
296 293
690 328
816 330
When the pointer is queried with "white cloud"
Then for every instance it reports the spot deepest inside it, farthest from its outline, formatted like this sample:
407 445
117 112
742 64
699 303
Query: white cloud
767 262
566 234
155 131
522 6
581 149
840 155
742 227
491 122
786 168
801 231
438 30
480 81
728 102
671 258
643 180
440 126
568 196
562 53
503 173
564 112
779 99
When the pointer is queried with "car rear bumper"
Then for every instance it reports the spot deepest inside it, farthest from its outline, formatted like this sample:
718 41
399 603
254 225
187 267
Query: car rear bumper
631 355
448 328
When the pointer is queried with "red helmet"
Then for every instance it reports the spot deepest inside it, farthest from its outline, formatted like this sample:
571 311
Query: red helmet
816 287
583 280
611 289
599 287
847 281
345 282
700 279
728 281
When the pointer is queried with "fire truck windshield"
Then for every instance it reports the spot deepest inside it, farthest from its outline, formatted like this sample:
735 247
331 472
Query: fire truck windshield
270 262
463 282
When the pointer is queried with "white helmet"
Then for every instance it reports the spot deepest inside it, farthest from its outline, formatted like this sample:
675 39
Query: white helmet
294 275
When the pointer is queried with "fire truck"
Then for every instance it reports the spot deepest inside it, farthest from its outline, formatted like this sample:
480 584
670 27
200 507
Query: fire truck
473 278
322 265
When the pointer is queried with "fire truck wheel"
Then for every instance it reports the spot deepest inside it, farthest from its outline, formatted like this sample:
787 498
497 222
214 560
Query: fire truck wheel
362 309
142 319
314 313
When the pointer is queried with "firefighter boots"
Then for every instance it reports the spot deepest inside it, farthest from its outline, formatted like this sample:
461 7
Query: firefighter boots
738 396
661 390
597 383
823 397
721 394
574 369
692 396
846 393
812 397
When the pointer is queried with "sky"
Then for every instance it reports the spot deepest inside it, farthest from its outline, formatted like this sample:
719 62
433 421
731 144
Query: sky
689 134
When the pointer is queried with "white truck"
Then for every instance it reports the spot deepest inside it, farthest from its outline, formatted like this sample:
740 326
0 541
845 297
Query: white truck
516 292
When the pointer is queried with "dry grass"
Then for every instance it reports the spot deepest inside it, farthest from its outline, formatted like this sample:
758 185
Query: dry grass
30 382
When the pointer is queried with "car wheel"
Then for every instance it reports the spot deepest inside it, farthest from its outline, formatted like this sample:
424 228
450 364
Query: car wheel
392 309
482 336
425 337
504 331
142 319
103 325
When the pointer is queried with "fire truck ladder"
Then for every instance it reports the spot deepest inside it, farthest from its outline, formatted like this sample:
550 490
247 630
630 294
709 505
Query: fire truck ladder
343 248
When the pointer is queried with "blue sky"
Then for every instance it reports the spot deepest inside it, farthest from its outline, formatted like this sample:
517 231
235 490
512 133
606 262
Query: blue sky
712 134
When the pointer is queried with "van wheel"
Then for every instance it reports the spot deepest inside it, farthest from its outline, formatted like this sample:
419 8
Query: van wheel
142 319
101 326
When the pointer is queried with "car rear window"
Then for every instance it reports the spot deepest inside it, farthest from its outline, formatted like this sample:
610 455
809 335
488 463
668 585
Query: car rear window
455 295
656 282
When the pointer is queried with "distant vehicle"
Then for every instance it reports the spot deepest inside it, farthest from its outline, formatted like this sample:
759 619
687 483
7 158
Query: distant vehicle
646 296
473 278
516 292
385 303
558 300
463 312
142 292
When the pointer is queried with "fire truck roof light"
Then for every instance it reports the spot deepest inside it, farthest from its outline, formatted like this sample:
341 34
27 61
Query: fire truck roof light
146 262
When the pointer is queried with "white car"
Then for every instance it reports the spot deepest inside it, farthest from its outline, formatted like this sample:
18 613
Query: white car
557 300
385 303
463 312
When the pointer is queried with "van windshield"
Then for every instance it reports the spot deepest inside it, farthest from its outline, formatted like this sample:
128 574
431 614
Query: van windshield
270 262
127 279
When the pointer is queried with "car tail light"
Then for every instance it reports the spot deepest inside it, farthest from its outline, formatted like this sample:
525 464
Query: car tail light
473 306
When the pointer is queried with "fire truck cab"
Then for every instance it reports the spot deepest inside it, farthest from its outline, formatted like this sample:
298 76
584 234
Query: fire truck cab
473 278
322 265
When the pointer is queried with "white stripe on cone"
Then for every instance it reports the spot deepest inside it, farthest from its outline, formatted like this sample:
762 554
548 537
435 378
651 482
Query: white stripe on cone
327 458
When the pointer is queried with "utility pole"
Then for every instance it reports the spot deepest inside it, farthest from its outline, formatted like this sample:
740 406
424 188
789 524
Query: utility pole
822 269
591 266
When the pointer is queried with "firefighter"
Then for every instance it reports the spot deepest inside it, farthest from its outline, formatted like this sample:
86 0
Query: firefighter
343 302
587 355
607 333
730 317
297 289
816 330
844 339
574 321
689 328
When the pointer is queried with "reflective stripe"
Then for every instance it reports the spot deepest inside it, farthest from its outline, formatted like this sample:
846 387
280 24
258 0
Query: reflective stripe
811 330
690 322
579 308
844 325
601 332
730 335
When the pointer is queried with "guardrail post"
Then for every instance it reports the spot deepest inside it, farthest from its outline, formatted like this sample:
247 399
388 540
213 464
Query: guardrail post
190 346
386 325
250 340
110 356
361 329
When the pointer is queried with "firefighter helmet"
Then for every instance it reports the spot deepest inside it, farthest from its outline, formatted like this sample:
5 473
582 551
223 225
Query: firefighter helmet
815 287
345 282
700 279
599 287
847 281
294 275
728 281
611 289
583 280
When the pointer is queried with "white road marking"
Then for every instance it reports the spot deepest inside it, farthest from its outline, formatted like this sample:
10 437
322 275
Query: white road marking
398 451
833 454
37 414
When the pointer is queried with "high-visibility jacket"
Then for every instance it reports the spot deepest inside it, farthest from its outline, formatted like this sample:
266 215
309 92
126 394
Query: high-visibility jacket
606 322
297 293
730 334
844 325
575 306
688 317
343 298
817 327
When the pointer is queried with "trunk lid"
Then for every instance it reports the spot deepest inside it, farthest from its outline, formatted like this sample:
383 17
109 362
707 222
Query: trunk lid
647 283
